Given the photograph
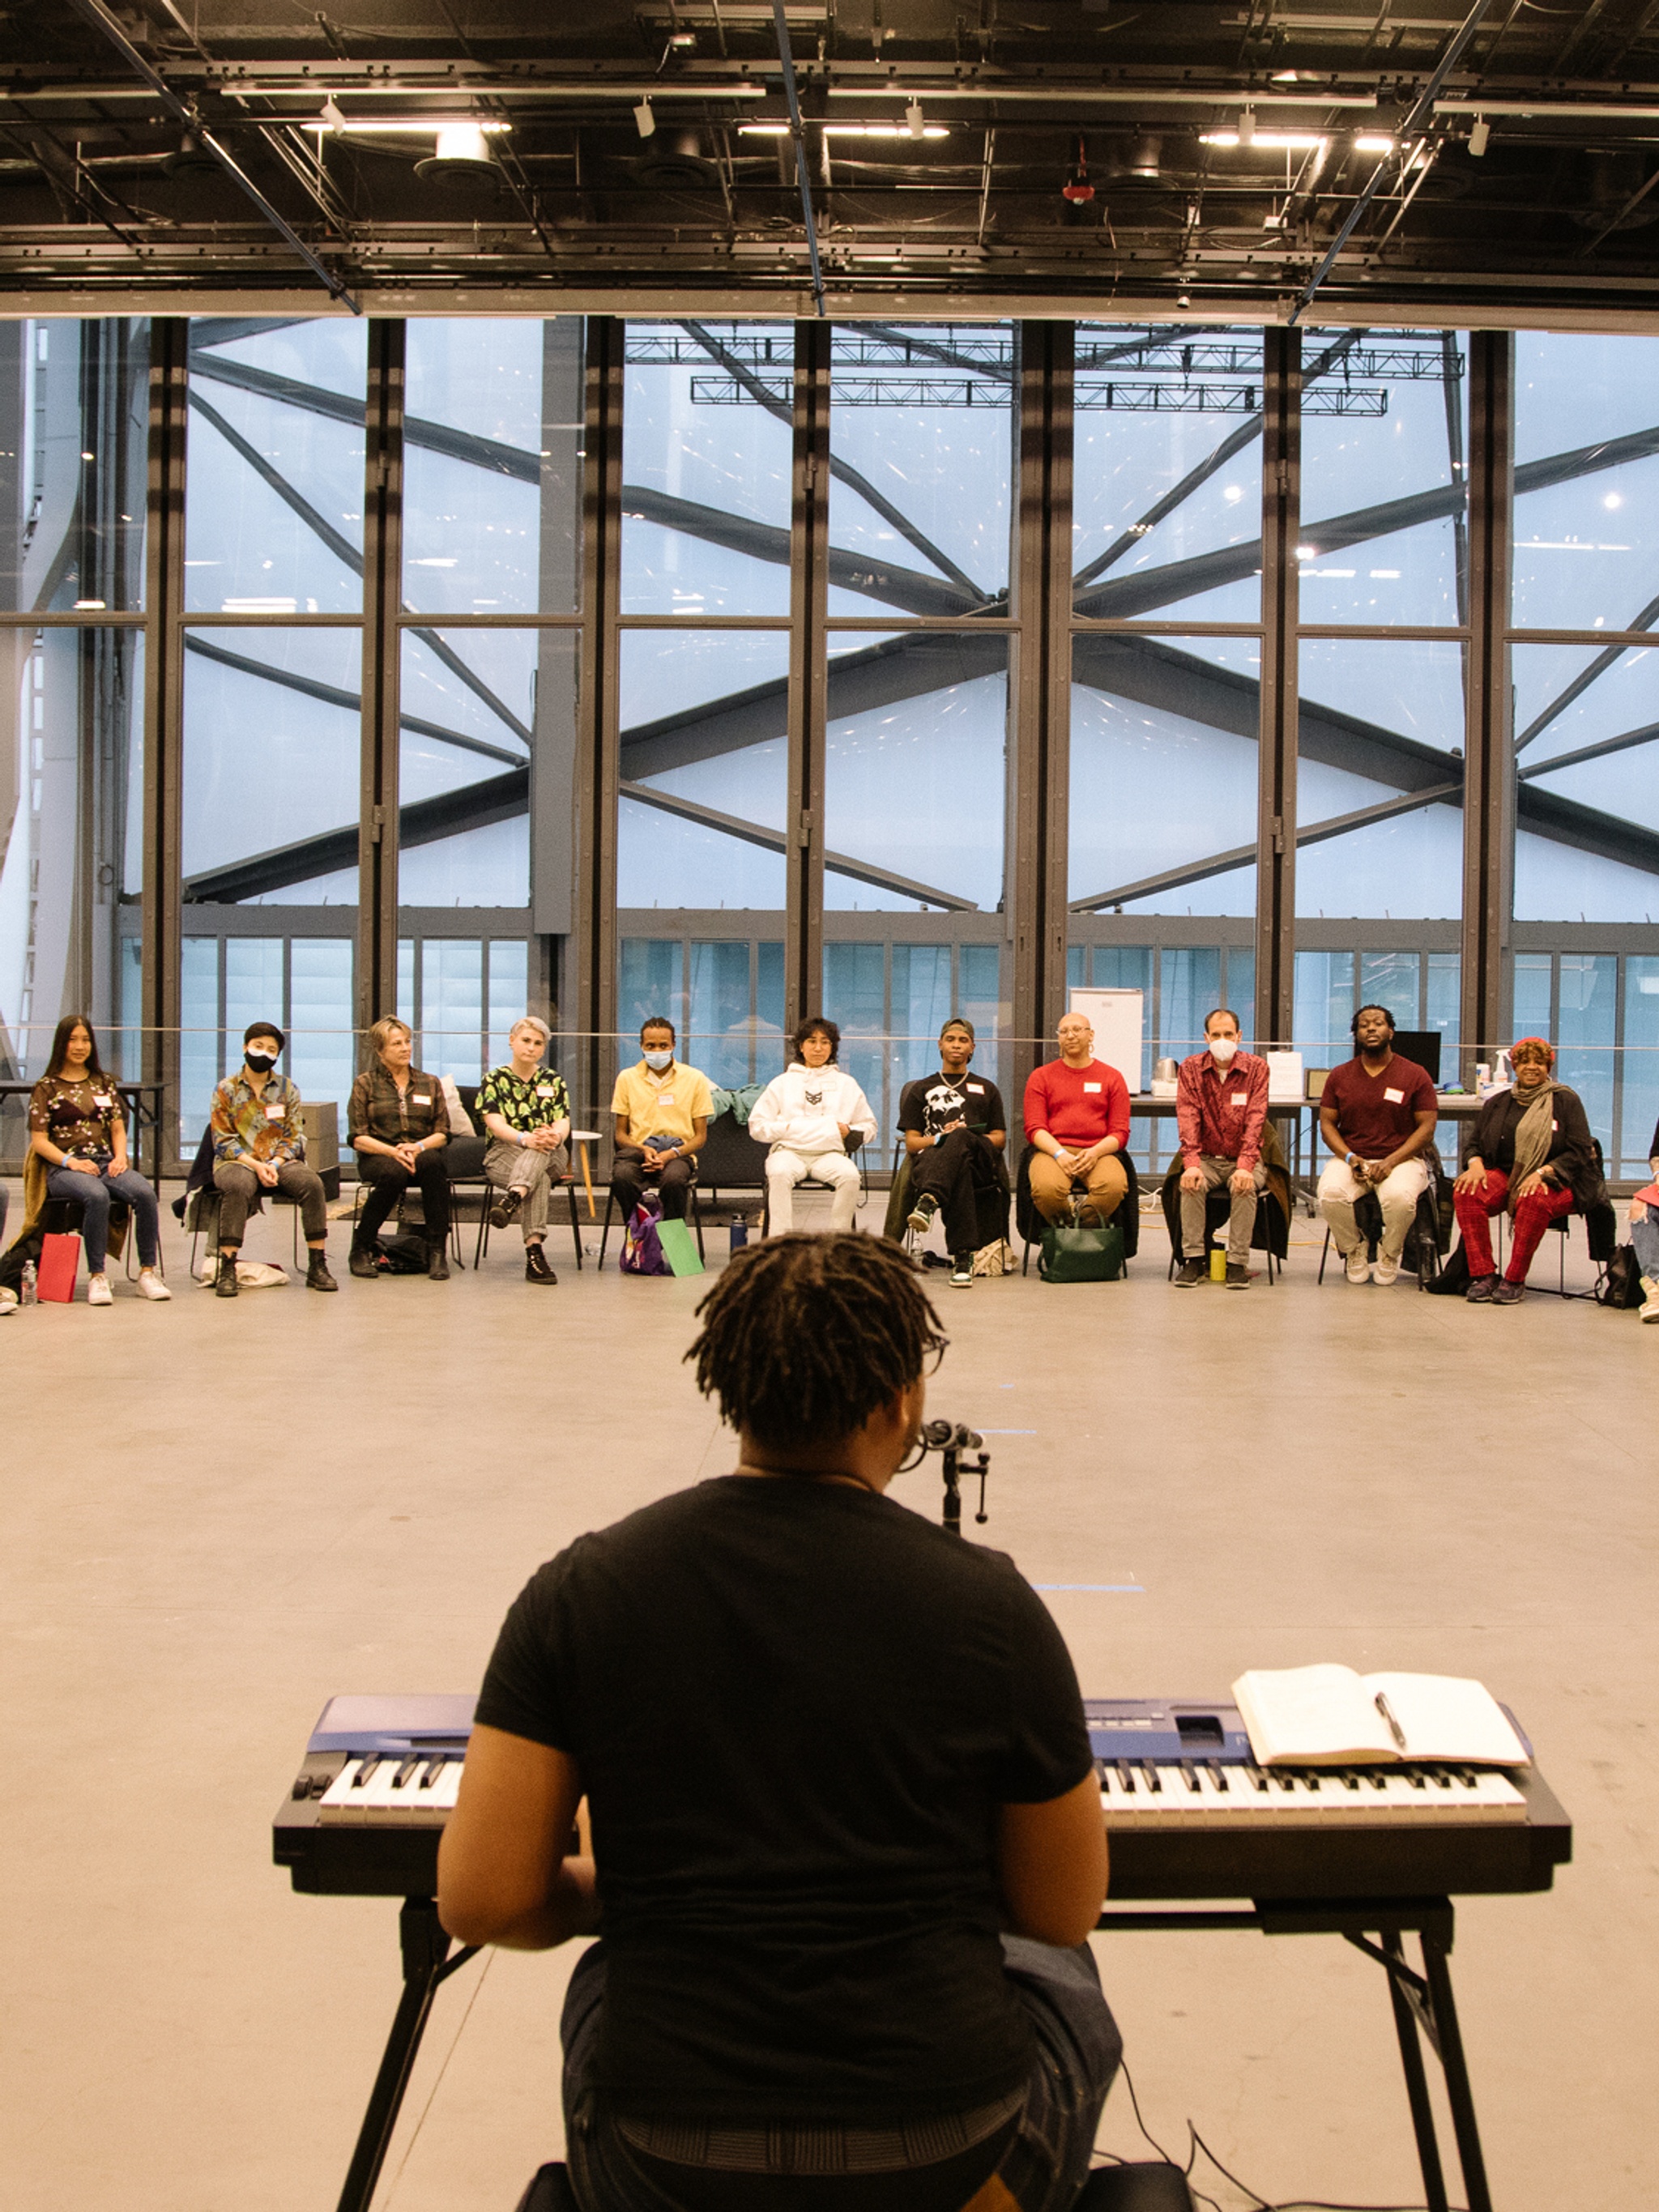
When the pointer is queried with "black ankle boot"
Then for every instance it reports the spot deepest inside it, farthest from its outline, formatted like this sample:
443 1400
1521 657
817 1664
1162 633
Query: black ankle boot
317 1275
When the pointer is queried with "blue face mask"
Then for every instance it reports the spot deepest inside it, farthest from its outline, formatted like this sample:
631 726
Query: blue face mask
656 1061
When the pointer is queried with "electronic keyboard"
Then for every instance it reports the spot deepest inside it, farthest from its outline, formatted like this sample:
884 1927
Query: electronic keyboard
1189 1813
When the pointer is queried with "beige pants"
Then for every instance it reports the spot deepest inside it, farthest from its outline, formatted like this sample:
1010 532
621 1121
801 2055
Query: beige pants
1241 1220
1397 1194
1051 1188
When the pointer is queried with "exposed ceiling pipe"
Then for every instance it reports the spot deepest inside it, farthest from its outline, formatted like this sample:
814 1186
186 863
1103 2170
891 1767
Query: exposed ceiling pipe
94 13
785 55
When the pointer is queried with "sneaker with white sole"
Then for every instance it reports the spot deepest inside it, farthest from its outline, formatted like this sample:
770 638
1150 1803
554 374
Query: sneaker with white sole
151 1286
921 1215
1357 1266
1385 1272
962 1271
98 1290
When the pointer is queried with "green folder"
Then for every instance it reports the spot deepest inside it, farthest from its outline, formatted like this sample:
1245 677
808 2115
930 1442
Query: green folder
678 1248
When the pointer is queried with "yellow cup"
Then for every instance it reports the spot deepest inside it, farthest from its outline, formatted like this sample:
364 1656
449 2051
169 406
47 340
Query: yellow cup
1218 1264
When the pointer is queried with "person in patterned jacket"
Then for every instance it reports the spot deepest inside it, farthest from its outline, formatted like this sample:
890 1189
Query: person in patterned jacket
526 1110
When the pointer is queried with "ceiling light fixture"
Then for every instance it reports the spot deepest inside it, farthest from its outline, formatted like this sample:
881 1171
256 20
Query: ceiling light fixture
1144 154
913 122
846 130
1480 135
411 126
1373 142
1245 134
1287 142
1077 188
644 121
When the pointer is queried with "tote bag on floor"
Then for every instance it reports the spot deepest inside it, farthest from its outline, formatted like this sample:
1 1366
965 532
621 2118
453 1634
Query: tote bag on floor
1075 1255
60 1262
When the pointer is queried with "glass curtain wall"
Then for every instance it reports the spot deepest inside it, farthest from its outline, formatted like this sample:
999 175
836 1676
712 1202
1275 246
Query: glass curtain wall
1166 527
73 423
1585 719
272 700
1383 584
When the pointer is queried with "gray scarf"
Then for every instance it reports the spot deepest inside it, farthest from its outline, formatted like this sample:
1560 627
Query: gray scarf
1532 1133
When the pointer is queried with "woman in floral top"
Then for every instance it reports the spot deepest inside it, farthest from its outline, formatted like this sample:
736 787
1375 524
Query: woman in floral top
78 1127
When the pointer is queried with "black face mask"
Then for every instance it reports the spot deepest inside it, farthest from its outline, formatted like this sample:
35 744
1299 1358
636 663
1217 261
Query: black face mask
260 1062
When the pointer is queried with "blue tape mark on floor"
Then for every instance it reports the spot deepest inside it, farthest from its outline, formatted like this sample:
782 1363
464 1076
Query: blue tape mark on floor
1120 1588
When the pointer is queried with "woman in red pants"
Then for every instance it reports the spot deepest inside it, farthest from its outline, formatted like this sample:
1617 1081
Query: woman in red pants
1531 1155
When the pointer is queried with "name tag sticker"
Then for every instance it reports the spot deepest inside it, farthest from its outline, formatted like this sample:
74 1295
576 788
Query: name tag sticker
1394 1097
1555 1126
421 1099
275 1113
665 1098
105 1105
1241 1097
1091 1087
978 1090
544 1090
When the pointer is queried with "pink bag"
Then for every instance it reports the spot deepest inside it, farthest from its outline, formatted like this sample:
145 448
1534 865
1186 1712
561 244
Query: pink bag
641 1251
60 1263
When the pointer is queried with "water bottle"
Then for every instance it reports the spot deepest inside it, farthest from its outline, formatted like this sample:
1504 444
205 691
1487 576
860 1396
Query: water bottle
29 1295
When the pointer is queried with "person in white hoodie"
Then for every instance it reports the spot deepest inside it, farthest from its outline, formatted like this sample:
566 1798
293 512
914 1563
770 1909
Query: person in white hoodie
806 1116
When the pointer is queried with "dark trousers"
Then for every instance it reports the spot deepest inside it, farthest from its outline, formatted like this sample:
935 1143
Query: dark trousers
388 1180
92 1193
1043 2161
238 1187
952 1173
629 1181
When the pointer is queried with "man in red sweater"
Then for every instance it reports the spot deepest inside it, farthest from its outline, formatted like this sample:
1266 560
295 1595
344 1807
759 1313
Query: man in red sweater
1077 1116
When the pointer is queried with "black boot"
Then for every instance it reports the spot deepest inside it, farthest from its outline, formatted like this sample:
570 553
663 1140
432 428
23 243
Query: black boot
317 1275
226 1287
362 1262
535 1269
437 1264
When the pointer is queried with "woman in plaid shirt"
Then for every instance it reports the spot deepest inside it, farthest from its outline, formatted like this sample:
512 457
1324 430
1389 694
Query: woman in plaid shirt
399 1125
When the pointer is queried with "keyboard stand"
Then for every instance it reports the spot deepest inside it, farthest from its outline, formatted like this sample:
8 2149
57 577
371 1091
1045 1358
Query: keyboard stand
426 1963
1423 2004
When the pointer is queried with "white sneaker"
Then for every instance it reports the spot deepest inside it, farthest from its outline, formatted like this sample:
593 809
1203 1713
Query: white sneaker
98 1290
9 1303
150 1285
1358 1268
1385 1272
1650 1303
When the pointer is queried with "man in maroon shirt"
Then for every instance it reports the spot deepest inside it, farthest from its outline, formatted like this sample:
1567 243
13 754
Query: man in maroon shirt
1378 1114
1077 1116
1221 1103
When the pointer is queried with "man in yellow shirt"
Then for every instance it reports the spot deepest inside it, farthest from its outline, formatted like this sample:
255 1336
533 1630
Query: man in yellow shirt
662 1110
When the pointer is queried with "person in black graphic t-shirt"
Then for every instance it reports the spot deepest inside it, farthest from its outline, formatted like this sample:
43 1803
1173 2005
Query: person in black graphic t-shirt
847 1840
954 1131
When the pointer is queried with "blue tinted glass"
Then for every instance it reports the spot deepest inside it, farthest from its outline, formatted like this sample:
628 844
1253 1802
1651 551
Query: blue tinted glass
1240 988
854 997
198 1036
449 1038
1587 988
1189 984
1587 783
1325 1006
1586 476
475 705
769 995
321 1054
1393 980
719 1036
1640 1116
922 1005
651 983
508 993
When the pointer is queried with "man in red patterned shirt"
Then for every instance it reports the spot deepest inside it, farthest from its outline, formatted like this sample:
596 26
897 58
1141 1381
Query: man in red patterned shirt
1221 1103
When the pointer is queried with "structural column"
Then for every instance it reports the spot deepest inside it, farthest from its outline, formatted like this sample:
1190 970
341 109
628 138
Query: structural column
591 995
383 558
163 806
1275 835
1488 744
1036 871
809 604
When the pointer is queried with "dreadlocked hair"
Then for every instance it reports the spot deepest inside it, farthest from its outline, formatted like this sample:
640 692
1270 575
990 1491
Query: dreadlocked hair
807 1336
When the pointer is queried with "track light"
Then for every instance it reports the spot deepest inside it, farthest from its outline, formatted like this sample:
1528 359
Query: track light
1479 133
1077 188
1145 154
1246 136
644 121
913 122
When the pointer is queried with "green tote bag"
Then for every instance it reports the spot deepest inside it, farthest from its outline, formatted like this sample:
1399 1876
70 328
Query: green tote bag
1073 1254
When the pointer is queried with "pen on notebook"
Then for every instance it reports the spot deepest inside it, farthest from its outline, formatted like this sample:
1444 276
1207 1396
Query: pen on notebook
1387 1711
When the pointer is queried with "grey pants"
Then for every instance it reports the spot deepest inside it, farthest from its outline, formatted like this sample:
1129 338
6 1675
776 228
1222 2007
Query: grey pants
522 1167
1044 2167
1241 1222
238 1187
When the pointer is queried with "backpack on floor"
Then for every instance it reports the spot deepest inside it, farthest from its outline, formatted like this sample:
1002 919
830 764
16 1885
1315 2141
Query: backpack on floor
404 1255
1621 1286
642 1252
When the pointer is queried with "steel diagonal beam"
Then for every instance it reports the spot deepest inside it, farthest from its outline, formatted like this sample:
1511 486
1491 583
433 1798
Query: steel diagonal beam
764 541
773 840
843 471
1585 678
94 13
334 695
1126 597
797 137
1622 743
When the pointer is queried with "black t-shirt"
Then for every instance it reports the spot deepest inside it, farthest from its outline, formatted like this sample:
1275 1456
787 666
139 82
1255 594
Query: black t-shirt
927 1104
795 1707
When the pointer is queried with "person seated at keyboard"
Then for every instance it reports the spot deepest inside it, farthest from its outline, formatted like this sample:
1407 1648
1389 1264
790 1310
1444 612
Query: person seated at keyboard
831 1752
1530 1154
526 1110
259 1144
807 1114
1077 1122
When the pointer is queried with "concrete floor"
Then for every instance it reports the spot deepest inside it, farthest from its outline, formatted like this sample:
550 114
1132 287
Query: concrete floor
213 1520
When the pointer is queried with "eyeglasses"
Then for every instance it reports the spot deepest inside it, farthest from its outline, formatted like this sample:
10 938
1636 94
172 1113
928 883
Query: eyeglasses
941 1348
